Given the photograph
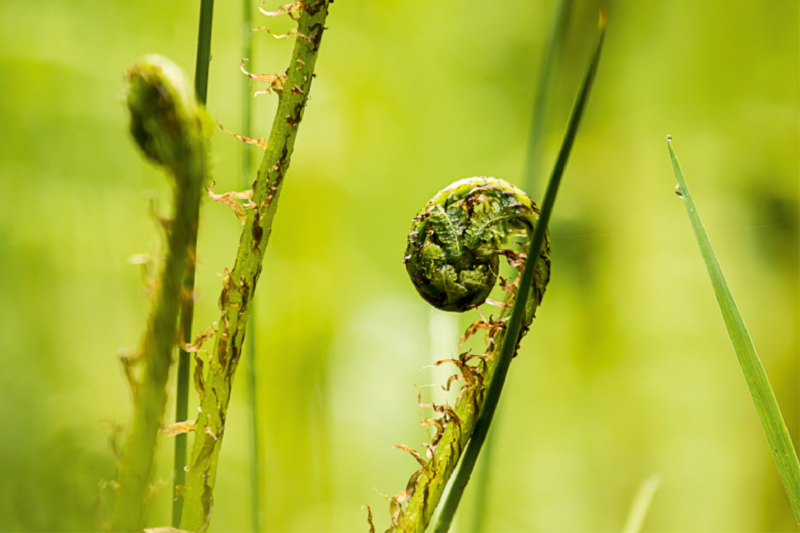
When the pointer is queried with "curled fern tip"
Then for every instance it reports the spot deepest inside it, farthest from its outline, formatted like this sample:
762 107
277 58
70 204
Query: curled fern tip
166 121
452 256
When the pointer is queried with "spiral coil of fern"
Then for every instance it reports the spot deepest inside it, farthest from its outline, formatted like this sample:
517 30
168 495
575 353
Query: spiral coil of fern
453 258
453 250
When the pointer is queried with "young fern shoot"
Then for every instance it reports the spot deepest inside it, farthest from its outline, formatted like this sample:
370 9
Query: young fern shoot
454 246
168 125
215 377
452 258
449 261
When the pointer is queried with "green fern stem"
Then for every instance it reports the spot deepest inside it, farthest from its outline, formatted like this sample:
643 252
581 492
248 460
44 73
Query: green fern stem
452 258
168 125
240 283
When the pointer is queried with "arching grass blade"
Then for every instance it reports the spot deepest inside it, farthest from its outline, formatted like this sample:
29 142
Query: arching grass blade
514 324
780 443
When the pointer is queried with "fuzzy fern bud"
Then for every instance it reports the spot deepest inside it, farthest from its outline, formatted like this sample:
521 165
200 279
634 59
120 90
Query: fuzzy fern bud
166 121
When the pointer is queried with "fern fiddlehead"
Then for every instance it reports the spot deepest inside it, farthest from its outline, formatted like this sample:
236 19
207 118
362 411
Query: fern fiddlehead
170 128
452 257
456 241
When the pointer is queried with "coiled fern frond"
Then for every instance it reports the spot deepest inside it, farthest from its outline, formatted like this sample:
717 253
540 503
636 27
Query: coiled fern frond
453 258
456 241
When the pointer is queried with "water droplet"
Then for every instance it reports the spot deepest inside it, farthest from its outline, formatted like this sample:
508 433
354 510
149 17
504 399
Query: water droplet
678 191
669 137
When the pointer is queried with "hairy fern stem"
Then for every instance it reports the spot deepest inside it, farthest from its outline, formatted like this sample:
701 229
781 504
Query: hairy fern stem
216 379
168 125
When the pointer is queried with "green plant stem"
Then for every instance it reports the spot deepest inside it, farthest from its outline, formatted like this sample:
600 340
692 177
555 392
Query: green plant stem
541 103
252 399
187 305
250 352
514 325
182 387
641 504
769 413
482 486
182 390
168 126
550 55
239 284
203 50
157 346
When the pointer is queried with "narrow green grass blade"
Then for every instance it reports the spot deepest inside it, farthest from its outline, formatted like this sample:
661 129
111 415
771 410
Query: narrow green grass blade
203 50
641 504
187 306
530 182
514 324
483 482
552 51
250 340
780 443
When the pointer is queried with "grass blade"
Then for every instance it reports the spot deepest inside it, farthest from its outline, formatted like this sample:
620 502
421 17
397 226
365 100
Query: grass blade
514 324
780 443
541 103
250 340
203 50
529 181
482 484
641 504
187 305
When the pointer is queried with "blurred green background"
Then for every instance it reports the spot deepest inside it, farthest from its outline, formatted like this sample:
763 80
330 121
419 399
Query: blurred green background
628 370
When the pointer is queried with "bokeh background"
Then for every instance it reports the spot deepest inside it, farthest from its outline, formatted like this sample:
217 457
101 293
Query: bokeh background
628 371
